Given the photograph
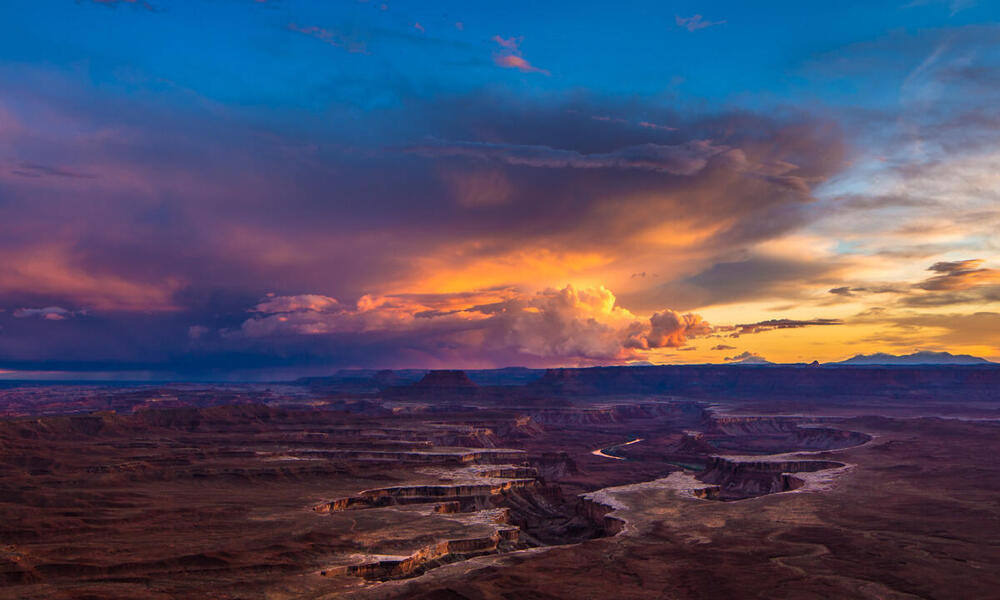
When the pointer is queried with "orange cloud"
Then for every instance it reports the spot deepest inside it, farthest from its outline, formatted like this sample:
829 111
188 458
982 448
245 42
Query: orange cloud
510 56
511 61
959 275
50 271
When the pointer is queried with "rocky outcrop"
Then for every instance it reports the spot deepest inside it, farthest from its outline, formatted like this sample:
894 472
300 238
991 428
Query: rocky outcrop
450 507
778 434
598 512
399 567
744 477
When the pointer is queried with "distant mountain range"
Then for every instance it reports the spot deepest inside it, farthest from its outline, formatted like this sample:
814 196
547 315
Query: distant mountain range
750 360
917 358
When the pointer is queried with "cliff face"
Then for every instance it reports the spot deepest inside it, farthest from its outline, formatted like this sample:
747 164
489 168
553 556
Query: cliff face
739 478
399 567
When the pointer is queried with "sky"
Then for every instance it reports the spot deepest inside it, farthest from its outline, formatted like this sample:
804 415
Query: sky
262 189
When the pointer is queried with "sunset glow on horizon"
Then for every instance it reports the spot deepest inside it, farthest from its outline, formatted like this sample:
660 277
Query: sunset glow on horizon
268 189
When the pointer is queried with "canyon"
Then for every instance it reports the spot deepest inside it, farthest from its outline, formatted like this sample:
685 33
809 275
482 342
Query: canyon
575 484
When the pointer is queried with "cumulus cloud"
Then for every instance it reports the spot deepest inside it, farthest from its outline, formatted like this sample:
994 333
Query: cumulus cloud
554 324
668 329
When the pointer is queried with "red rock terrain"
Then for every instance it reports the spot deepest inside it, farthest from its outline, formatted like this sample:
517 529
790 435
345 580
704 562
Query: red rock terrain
456 490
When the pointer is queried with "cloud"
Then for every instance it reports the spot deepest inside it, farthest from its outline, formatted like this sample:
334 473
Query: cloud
772 324
956 282
695 22
191 217
509 56
790 275
719 347
745 356
668 329
683 159
954 6
302 302
551 326
959 275
649 125
346 41
512 61
137 3
512 43
48 313
198 331
37 170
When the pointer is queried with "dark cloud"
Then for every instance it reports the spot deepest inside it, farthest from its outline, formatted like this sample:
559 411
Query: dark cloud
719 347
49 313
685 159
959 275
956 282
976 295
772 324
756 277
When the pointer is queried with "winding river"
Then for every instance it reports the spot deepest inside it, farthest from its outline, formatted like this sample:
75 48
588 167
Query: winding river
605 451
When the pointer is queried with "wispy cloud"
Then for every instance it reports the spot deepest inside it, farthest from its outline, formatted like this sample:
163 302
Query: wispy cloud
334 38
138 3
772 324
683 159
959 275
36 170
695 22
509 56
48 313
